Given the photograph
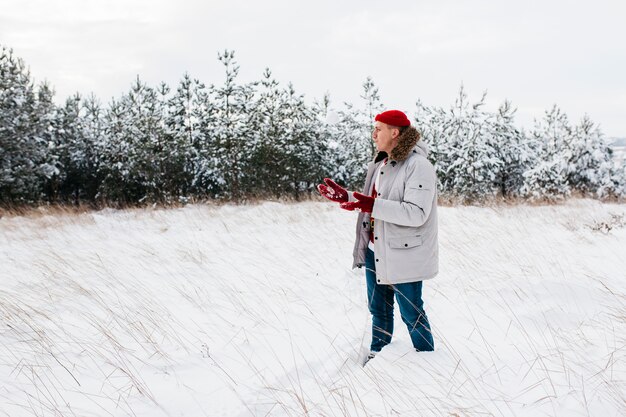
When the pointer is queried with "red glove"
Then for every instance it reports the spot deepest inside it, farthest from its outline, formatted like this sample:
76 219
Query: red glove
364 203
333 191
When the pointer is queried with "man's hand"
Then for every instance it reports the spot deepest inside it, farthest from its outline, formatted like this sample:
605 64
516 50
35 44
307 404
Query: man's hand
333 191
364 203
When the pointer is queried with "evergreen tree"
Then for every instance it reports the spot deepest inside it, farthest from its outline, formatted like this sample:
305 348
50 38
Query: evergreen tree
45 125
590 166
301 149
513 151
133 157
430 122
286 151
465 147
230 130
259 139
115 168
71 150
189 116
547 177
94 141
267 145
23 133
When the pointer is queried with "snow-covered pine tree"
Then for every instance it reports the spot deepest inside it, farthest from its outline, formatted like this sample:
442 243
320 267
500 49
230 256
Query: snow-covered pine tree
286 153
512 149
94 142
302 150
230 129
149 111
430 122
590 168
266 147
168 154
466 150
116 161
72 151
45 124
24 161
136 146
476 153
547 175
187 124
146 116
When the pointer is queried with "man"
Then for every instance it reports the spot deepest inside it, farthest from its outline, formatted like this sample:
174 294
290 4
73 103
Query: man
396 235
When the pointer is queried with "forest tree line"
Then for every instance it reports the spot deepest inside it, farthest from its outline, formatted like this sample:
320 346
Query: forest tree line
238 141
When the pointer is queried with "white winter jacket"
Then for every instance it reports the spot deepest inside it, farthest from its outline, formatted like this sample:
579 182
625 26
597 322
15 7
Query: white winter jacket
406 248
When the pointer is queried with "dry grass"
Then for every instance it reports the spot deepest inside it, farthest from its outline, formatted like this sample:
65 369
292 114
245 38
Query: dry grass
67 210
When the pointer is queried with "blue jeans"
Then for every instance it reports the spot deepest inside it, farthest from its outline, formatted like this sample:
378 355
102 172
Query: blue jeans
380 303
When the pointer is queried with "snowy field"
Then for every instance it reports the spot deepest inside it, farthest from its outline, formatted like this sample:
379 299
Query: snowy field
254 311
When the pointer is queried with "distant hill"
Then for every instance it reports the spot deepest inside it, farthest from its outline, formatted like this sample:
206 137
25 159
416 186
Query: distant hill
617 142
618 145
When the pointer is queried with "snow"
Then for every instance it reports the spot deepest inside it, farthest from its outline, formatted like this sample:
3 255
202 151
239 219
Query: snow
254 310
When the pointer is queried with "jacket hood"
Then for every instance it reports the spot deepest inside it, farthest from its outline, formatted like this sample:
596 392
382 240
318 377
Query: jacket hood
421 148
408 140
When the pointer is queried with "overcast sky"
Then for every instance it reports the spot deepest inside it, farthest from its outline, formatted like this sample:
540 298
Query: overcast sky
534 53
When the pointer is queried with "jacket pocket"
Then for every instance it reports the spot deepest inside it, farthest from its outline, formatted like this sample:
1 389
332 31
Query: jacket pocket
405 242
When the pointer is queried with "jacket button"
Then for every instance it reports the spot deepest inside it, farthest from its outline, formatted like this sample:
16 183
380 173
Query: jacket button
378 280
381 173
406 244
376 260
376 238
420 185
379 194
364 224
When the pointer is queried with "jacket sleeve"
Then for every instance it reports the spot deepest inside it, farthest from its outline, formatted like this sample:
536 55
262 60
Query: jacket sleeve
418 199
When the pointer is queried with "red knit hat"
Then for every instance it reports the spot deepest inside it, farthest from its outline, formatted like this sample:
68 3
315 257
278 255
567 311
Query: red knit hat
393 118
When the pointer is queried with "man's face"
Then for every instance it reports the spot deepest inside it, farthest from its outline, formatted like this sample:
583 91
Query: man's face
385 137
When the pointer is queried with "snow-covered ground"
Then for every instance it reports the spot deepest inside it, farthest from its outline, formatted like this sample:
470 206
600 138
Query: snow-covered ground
254 310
